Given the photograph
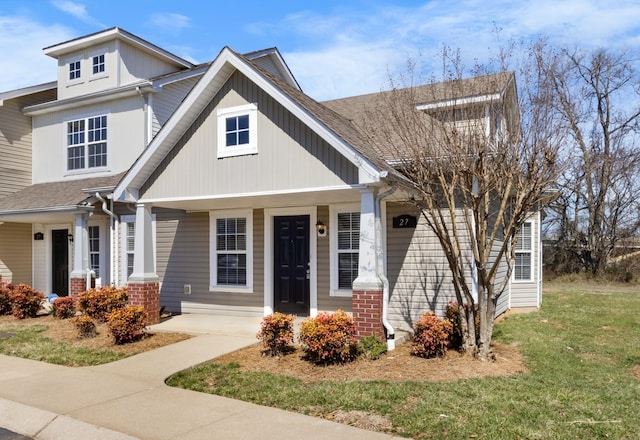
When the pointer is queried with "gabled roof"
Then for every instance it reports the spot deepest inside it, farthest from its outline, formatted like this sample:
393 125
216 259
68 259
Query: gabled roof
333 128
114 33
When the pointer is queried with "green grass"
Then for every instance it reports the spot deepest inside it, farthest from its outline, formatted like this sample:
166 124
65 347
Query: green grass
579 349
29 343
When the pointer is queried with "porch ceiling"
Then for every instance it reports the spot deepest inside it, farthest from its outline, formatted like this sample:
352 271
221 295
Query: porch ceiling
312 198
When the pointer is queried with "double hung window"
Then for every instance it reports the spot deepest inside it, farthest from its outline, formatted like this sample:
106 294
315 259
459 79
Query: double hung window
345 248
87 143
231 250
523 268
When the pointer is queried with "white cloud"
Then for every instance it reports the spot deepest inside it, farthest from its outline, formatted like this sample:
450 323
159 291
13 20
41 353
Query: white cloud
22 63
170 22
77 10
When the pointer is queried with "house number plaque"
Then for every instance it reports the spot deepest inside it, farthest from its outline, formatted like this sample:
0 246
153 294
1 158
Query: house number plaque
405 221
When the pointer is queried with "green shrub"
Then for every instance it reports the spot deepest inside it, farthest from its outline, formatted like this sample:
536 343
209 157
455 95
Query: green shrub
99 303
276 333
85 326
329 338
127 324
372 347
25 301
5 301
63 307
431 336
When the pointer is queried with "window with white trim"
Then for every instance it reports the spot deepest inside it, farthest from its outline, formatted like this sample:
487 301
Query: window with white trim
231 253
523 267
87 143
345 248
94 249
128 242
74 70
238 131
98 64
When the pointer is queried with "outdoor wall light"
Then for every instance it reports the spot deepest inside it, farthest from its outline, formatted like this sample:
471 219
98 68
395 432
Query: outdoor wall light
322 229
70 237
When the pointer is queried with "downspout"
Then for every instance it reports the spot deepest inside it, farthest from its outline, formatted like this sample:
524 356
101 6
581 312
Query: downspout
112 254
391 342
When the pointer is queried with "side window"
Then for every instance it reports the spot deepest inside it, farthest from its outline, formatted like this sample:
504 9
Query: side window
238 131
523 268
98 64
128 242
231 250
345 248
94 249
74 70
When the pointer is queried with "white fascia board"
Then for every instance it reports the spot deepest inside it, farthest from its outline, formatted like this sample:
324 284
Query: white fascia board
448 103
12 94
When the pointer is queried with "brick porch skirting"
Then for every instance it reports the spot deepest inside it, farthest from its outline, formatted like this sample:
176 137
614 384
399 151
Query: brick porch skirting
367 313
146 295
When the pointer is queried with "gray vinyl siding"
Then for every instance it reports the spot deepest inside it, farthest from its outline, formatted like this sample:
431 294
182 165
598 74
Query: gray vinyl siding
182 243
165 103
525 293
15 252
290 155
419 276
326 302
15 142
502 304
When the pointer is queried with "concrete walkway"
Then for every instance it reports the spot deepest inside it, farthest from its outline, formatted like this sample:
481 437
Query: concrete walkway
128 399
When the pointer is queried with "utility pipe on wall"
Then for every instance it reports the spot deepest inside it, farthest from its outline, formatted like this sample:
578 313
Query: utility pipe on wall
113 253
391 343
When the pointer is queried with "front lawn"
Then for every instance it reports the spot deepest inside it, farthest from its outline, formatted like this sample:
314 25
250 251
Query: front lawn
582 358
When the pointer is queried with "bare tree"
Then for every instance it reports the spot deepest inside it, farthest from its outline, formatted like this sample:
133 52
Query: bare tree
477 159
596 96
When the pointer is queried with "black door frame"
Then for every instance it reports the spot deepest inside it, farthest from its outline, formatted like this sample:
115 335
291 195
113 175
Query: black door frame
296 277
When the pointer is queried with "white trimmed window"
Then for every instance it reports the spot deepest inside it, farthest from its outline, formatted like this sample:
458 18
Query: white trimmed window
74 70
94 249
523 268
231 250
98 64
238 131
87 143
345 248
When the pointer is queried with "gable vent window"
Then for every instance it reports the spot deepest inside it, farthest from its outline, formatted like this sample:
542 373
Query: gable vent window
98 64
87 143
74 70
238 131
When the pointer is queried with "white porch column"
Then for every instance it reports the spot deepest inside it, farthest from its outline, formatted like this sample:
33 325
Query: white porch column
143 264
367 275
80 251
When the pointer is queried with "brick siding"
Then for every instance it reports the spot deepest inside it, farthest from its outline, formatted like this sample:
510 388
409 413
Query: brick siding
367 312
148 296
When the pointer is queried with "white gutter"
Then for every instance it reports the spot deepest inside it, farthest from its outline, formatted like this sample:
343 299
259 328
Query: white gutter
391 342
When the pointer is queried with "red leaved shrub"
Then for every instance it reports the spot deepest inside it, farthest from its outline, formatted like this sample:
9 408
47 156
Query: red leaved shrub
329 337
25 301
431 336
127 324
98 303
63 307
276 333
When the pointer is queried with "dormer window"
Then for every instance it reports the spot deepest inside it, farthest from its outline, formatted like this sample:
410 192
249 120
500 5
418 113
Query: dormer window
87 143
74 70
98 64
238 131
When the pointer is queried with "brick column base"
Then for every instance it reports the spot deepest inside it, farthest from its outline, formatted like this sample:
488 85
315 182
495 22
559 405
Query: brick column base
367 313
146 295
76 287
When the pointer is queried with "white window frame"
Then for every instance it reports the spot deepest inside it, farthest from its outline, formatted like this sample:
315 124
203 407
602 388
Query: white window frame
334 210
124 252
85 145
250 110
79 70
213 254
522 251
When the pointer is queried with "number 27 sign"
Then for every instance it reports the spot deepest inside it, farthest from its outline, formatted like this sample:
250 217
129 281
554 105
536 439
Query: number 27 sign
405 221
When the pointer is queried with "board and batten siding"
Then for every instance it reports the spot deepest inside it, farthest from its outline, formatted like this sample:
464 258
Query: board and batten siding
125 138
419 276
182 243
290 155
15 252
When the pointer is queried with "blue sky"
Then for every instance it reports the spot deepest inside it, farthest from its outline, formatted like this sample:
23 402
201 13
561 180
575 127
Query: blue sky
334 48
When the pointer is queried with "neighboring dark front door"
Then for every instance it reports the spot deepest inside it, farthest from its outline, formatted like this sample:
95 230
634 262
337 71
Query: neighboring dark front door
60 262
291 266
